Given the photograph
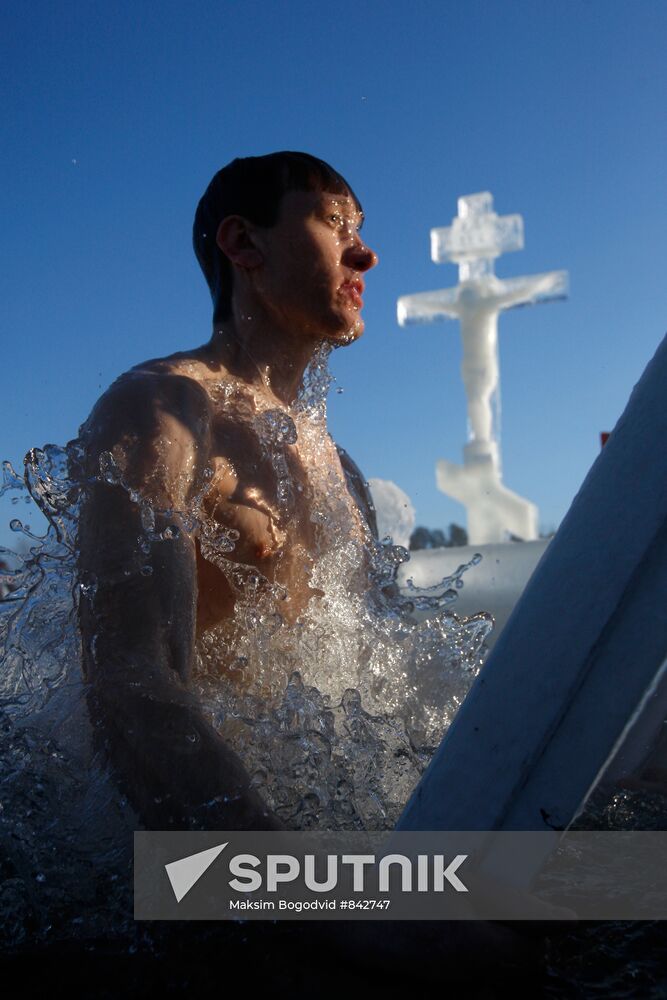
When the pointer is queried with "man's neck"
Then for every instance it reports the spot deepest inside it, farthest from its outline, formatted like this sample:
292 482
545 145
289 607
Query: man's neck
268 359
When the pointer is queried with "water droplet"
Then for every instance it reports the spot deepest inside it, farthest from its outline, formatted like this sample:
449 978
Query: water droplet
259 777
239 664
109 470
278 426
147 518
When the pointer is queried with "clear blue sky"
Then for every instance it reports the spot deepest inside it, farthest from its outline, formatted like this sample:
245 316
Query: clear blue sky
116 115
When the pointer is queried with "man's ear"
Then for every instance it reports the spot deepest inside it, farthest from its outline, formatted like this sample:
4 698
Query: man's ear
235 239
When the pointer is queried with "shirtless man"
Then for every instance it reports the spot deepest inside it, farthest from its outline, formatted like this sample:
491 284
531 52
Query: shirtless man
278 240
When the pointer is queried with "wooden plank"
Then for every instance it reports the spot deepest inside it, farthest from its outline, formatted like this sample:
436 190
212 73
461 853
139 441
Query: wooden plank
581 653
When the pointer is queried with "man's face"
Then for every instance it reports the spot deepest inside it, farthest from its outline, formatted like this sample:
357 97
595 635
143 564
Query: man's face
311 281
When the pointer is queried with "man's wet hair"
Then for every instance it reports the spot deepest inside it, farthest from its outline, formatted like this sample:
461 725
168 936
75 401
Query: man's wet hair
253 187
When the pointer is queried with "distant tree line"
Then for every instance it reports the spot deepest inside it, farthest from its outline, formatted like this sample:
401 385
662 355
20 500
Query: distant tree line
436 538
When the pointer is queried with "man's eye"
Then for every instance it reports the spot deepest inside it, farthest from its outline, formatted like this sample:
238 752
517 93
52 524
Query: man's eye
343 223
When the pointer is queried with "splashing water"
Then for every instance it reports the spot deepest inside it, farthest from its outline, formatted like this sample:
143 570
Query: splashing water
61 820
335 715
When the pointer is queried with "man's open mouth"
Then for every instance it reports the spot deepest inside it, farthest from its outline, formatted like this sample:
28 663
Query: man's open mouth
355 290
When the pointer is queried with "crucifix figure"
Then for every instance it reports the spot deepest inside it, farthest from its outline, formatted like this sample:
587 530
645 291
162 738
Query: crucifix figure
476 237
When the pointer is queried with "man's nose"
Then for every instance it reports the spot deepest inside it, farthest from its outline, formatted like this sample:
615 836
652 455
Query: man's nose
360 257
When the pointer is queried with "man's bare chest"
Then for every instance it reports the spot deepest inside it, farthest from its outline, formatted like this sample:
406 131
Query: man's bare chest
264 484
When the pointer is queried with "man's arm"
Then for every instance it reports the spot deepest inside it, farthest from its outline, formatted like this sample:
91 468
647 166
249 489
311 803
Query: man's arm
138 612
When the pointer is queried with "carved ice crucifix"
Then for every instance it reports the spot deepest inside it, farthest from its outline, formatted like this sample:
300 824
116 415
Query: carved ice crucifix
476 237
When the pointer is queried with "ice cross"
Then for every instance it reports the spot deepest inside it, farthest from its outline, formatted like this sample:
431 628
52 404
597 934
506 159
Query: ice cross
476 237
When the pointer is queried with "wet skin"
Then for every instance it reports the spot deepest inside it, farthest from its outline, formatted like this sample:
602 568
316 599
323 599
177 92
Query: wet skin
166 423
168 426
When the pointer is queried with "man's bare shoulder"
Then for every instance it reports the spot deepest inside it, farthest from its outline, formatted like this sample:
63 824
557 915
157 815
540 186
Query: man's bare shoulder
149 394
154 420
195 363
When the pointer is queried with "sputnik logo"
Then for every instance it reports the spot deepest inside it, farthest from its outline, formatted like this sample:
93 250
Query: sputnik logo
281 868
186 872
